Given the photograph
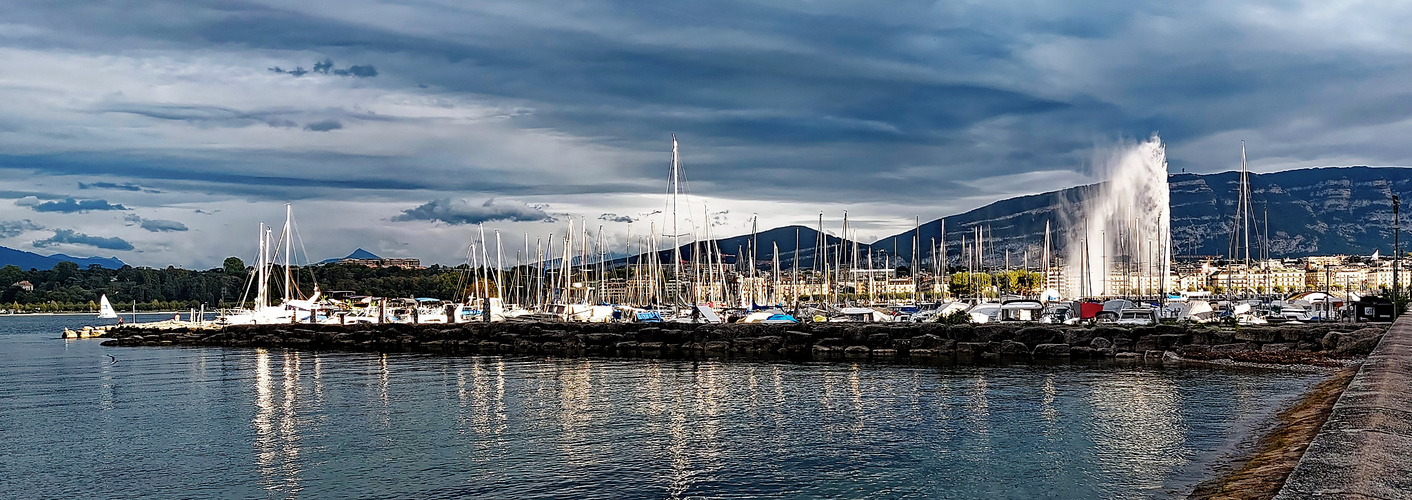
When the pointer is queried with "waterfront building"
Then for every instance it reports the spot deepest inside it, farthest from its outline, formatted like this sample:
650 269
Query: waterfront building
402 263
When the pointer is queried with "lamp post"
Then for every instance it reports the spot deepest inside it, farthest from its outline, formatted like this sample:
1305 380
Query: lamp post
1396 254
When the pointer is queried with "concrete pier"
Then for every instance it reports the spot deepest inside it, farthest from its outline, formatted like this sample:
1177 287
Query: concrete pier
1364 449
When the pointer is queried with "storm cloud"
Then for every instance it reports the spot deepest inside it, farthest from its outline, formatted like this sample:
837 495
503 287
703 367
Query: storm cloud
463 212
71 237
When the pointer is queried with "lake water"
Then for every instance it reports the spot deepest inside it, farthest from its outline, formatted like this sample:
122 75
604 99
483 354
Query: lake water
233 423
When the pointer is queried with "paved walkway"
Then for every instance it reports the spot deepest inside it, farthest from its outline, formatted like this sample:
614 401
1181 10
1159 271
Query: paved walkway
1364 450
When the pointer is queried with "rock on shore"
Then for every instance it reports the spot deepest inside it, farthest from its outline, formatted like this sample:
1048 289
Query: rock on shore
804 341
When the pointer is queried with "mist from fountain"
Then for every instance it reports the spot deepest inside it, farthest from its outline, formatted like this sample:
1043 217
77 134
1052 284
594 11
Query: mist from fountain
1124 228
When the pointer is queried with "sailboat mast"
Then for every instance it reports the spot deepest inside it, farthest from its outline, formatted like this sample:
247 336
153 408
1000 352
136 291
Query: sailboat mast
943 264
499 267
288 236
261 295
794 269
1245 200
1046 253
676 235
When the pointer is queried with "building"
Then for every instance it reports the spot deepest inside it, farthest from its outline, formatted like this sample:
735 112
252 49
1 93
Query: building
402 263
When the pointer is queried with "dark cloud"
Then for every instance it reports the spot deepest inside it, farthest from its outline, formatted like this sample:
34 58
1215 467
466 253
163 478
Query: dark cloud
70 237
109 185
610 217
462 212
324 126
115 186
13 228
300 176
70 206
357 71
156 225
325 67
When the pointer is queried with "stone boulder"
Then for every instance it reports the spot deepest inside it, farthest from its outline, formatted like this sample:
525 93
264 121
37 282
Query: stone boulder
1013 348
1100 343
1039 335
1051 351
972 348
1079 336
1352 343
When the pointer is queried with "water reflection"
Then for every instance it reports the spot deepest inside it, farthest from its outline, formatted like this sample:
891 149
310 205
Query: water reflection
276 424
1138 427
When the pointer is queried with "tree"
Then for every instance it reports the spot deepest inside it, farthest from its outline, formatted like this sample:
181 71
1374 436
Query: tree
234 266
65 270
969 283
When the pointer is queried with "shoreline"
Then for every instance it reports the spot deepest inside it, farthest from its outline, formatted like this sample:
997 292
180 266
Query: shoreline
1261 472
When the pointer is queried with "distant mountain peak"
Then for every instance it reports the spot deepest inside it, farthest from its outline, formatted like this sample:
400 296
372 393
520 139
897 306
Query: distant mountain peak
362 254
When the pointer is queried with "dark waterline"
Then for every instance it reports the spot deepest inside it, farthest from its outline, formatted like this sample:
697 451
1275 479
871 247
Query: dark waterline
224 423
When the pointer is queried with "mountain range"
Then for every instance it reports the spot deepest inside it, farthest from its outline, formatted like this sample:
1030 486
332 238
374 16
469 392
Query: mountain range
30 260
1311 211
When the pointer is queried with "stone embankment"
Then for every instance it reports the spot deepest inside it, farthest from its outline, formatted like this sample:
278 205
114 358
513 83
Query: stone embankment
1364 449
903 342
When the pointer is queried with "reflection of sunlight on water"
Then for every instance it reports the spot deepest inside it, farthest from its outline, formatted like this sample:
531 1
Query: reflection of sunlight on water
575 411
857 392
264 410
384 377
1047 410
979 406
288 431
501 416
277 448
710 396
105 389
318 380
1138 429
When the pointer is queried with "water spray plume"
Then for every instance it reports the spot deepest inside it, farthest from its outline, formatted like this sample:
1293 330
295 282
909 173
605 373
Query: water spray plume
1125 222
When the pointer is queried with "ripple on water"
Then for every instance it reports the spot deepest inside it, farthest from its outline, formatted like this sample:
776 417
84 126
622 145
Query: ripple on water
165 422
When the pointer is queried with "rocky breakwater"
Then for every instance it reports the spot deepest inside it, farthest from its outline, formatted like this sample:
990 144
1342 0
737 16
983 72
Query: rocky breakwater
905 342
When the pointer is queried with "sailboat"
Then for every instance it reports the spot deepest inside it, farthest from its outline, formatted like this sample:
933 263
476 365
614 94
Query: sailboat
291 310
105 308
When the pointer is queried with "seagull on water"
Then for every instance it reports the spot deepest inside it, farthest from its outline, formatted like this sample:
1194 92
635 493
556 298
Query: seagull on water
115 360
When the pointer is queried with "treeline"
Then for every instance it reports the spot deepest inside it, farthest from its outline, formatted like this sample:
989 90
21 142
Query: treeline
67 287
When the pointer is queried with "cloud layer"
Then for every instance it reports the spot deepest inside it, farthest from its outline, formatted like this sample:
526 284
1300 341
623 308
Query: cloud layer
785 109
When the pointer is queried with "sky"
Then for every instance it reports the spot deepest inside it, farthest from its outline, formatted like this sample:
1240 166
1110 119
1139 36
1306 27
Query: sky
164 132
